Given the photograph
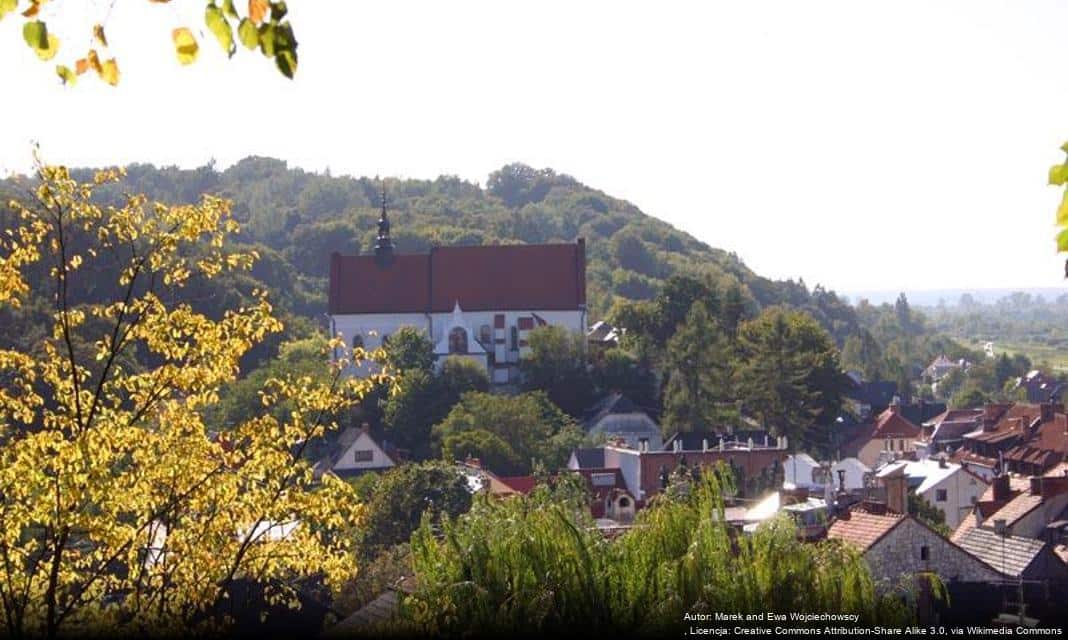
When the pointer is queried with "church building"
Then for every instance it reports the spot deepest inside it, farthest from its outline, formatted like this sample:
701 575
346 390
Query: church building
477 302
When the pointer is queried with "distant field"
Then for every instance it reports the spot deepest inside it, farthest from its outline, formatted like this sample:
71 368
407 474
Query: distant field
1038 353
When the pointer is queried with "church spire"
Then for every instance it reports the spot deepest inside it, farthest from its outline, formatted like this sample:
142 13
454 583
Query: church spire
383 244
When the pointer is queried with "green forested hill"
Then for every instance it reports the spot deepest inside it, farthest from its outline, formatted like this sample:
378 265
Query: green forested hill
301 217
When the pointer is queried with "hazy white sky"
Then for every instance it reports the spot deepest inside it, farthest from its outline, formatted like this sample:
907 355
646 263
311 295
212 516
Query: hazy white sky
862 145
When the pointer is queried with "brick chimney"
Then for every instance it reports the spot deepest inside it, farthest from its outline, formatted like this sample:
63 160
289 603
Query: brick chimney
990 416
1001 487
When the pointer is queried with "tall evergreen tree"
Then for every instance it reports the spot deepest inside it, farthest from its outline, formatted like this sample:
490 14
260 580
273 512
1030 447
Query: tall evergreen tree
698 366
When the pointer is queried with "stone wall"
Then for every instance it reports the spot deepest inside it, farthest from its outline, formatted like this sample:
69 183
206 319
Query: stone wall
899 553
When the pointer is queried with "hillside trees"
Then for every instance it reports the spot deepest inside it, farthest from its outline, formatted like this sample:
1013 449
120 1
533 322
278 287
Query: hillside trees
117 510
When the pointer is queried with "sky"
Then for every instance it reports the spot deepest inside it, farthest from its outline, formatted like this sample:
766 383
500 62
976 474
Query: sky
856 144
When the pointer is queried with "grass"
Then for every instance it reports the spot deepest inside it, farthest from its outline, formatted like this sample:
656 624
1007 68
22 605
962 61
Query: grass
1055 357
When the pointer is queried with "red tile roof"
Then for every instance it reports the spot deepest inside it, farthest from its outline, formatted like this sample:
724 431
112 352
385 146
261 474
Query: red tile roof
892 424
863 529
519 484
496 277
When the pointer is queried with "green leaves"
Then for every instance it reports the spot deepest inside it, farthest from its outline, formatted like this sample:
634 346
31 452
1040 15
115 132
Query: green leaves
35 33
66 75
249 34
1058 177
220 27
263 27
277 41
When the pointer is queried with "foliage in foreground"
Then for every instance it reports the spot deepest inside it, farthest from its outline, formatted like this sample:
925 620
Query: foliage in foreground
537 565
118 511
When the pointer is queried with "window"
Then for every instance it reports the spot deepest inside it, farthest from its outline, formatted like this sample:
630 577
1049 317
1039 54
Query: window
603 479
363 455
458 340
925 553
357 341
515 339
485 335
940 495
624 502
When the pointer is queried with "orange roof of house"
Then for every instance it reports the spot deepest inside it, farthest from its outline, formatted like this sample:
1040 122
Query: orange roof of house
892 424
863 529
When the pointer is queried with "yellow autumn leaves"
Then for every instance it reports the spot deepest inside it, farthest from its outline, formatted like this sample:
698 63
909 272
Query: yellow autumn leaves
264 26
117 504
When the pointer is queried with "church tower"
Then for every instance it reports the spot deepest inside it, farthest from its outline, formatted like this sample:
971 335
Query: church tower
383 243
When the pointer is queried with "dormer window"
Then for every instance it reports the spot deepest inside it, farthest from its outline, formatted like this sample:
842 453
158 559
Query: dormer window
458 340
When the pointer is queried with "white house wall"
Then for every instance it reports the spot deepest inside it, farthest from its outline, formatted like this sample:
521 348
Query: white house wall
374 326
962 489
364 442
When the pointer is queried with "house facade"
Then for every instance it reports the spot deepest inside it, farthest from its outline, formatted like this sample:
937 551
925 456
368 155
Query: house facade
890 438
950 488
896 546
475 302
354 452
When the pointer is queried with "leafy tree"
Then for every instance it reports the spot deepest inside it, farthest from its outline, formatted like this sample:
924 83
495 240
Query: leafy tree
263 27
489 449
556 365
424 399
618 371
536 565
698 369
118 511
460 375
241 400
968 397
862 352
790 377
404 495
409 349
529 424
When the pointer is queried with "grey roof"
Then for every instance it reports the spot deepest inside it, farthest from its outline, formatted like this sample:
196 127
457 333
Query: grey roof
619 423
590 458
371 618
613 403
1010 555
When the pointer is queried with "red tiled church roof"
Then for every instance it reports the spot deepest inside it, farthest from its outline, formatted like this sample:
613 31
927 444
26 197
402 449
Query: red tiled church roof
549 277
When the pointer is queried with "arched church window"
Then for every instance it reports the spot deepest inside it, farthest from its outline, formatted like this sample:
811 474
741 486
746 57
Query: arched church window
357 341
485 335
458 340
